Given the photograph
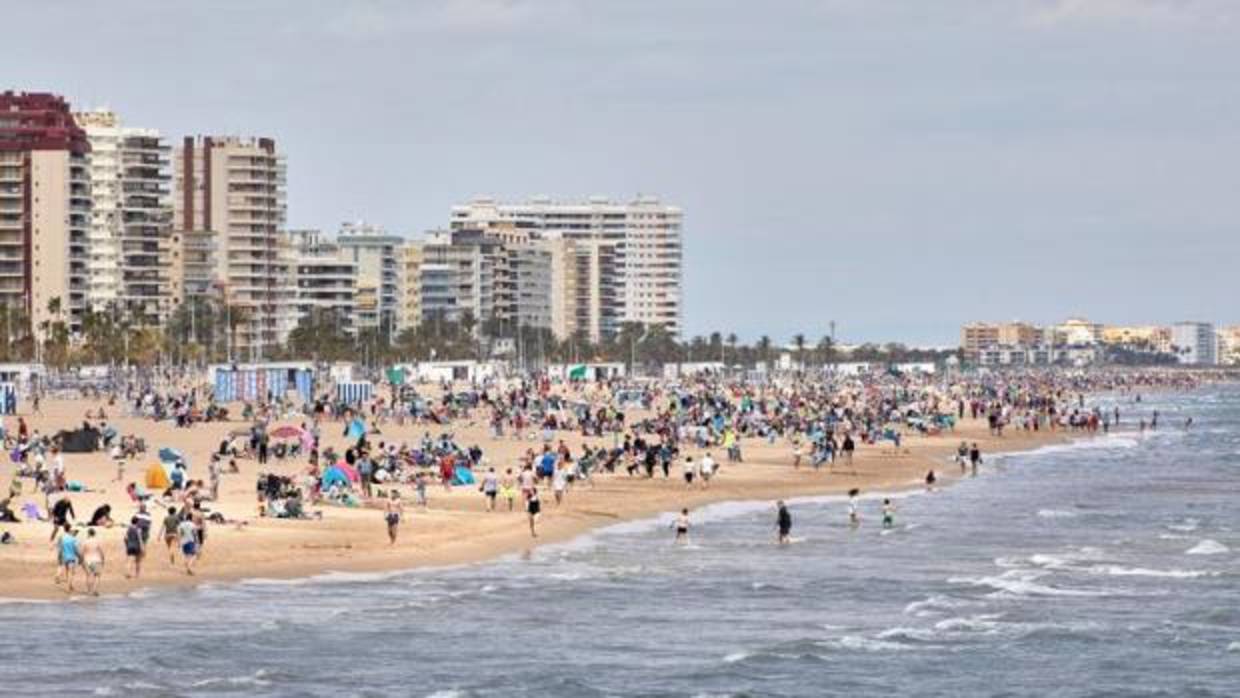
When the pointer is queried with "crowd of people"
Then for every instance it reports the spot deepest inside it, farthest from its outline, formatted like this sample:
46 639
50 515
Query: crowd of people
688 432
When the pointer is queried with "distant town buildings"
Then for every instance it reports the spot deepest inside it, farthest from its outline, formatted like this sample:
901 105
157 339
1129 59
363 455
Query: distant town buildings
623 259
1195 343
1078 341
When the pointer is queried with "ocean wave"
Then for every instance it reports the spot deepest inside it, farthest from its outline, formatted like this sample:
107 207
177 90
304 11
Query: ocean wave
860 643
1186 526
258 678
1112 442
1118 571
1056 514
1208 547
936 604
1023 583
1234 647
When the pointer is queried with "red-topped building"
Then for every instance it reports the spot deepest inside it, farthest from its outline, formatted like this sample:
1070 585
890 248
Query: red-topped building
45 208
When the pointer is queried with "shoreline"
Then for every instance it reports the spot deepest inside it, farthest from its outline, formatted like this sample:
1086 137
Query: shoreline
456 531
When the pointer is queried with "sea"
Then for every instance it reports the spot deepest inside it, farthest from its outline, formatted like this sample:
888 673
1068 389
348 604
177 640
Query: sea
1106 567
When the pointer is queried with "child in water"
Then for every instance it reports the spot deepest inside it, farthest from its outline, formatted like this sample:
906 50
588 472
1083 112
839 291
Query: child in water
889 514
854 519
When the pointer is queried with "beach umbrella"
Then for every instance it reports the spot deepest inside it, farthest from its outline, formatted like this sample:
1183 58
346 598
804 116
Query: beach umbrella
287 431
348 470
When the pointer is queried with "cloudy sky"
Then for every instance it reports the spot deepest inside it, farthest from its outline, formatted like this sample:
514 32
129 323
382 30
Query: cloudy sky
898 166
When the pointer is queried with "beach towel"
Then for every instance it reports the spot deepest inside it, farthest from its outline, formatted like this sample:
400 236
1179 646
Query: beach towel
462 476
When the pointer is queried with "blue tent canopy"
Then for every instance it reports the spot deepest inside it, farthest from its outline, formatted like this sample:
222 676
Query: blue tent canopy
334 476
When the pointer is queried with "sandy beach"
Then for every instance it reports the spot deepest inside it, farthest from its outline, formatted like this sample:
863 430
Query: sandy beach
454 529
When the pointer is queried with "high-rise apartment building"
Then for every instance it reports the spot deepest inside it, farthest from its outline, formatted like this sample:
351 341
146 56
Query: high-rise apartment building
231 191
45 210
325 281
377 256
131 247
639 253
409 291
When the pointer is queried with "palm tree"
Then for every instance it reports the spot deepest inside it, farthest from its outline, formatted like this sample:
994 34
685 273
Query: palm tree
764 350
798 341
731 340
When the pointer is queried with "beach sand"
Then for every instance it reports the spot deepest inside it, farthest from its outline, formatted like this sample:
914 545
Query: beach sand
455 529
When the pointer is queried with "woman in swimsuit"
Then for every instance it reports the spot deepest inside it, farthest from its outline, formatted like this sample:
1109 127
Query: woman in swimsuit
533 506
394 508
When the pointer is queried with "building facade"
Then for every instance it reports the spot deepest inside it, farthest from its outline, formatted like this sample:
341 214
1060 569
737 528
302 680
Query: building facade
232 191
377 257
641 281
131 248
45 211
1195 343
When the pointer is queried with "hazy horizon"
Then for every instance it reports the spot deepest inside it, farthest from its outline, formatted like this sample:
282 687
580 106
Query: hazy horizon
897 168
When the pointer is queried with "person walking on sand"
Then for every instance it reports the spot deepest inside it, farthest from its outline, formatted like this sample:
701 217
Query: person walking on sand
533 507
135 548
490 488
508 487
931 478
690 471
708 470
783 522
171 523
559 483
681 524
854 518
188 535
92 562
68 553
848 447
393 509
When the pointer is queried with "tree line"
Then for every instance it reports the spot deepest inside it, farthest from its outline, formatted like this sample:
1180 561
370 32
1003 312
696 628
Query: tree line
203 330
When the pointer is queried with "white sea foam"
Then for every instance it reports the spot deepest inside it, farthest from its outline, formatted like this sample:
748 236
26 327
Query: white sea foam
1118 571
859 643
1024 583
1208 547
449 693
255 679
935 605
1186 526
1234 647
737 657
1108 443
1056 514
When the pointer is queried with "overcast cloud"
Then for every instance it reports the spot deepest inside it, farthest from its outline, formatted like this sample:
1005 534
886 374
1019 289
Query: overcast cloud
896 166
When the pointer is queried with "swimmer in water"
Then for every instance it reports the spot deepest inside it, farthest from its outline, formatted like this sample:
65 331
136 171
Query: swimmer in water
854 518
681 524
783 521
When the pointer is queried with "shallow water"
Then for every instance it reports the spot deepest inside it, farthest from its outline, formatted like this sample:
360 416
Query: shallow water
1104 568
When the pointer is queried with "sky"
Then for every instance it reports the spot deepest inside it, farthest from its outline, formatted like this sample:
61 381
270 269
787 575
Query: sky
898 167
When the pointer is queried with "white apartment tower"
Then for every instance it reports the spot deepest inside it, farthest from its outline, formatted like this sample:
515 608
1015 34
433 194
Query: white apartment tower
633 248
130 263
1195 343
